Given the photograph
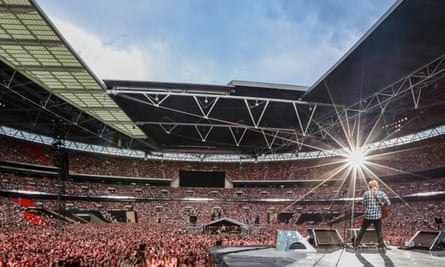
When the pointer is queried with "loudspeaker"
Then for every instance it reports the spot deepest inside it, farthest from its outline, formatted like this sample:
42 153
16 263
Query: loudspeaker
323 237
431 240
369 237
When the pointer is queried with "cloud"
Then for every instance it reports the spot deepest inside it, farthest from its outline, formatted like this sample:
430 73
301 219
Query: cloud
106 61
269 44
297 52
150 60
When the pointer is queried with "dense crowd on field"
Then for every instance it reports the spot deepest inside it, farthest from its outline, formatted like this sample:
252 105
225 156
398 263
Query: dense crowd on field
31 237
164 231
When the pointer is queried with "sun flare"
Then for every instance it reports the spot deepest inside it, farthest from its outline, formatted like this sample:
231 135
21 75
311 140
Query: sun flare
356 158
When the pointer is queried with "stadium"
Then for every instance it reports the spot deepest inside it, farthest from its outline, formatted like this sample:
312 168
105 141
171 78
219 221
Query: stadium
147 173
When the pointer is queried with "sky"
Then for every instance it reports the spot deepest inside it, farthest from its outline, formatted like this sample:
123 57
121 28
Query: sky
213 41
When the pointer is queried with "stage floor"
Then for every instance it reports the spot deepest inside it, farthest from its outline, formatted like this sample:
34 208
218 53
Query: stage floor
327 257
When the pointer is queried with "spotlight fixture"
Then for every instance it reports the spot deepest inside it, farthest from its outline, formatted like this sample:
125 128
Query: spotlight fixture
396 126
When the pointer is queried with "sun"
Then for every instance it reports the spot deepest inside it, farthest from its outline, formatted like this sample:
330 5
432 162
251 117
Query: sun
356 158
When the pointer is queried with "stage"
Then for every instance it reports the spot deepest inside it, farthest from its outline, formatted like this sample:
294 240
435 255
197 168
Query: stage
326 257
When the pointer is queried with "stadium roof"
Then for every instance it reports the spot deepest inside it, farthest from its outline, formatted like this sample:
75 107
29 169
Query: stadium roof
31 45
391 83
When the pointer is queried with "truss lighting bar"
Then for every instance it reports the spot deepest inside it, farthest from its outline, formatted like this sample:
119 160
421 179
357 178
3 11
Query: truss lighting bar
166 91
198 93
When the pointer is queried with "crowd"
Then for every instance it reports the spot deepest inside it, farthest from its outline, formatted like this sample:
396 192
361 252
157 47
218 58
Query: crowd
167 243
103 245
54 243
31 237
304 191
411 157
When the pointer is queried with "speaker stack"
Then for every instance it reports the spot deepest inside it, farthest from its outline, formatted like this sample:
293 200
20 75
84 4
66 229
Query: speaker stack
369 238
193 219
430 240
325 237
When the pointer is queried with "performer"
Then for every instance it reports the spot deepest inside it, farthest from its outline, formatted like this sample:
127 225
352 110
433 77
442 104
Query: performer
372 200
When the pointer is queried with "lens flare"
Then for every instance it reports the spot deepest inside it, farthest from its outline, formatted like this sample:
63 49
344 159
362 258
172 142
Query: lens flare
356 158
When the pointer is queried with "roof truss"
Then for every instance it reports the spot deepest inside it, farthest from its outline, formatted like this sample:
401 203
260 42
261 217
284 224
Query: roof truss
207 120
30 44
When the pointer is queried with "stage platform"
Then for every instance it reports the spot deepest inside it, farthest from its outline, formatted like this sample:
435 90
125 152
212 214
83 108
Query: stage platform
327 257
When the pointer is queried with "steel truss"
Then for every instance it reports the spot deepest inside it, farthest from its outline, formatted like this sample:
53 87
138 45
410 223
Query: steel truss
52 105
322 121
206 102
412 84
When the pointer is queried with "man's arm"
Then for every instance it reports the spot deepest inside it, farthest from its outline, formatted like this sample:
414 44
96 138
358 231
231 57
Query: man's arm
386 199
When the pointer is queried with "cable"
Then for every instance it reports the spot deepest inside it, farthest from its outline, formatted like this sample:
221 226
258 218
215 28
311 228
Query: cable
316 262
339 257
